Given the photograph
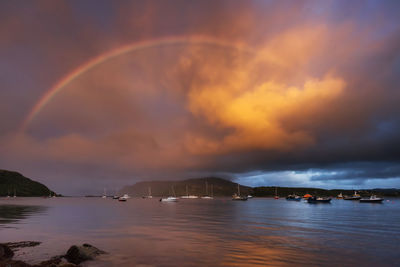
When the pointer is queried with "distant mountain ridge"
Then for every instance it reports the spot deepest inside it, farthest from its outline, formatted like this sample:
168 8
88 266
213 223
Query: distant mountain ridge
11 181
219 187
222 187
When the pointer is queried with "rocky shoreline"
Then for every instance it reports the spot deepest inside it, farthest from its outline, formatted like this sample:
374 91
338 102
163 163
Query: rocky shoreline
73 257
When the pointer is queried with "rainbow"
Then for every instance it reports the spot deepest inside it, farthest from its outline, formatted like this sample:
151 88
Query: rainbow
73 75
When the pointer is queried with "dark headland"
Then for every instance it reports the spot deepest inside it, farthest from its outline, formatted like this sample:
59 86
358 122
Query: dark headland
12 182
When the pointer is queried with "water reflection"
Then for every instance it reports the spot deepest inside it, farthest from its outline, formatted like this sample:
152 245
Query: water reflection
219 232
12 214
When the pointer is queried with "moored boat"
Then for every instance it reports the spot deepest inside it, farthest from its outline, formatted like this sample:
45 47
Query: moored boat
206 196
372 199
293 197
123 198
319 199
355 196
149 195
340 196
276 193
169 199
238 196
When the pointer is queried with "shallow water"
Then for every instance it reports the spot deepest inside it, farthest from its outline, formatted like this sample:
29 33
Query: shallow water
196 232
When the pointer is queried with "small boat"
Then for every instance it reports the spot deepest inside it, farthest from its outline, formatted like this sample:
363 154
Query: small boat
340 196
371 199
187 194
249 196
355 196
104 194
319 200
123 198
206 196
238 196
115 195
293 197
169 199
307 196
276 193
149 195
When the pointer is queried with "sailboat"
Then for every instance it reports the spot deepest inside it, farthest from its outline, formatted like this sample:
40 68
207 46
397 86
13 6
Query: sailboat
238 196
104 194
149 195
187 194
170 198
276 193
206 196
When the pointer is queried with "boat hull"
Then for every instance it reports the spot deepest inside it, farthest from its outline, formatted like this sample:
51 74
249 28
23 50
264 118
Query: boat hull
352 198
371 200
313 200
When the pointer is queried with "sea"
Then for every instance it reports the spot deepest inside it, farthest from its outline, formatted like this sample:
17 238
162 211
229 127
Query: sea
213 232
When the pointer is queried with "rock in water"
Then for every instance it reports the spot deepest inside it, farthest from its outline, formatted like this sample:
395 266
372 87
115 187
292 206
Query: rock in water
78 254
5 252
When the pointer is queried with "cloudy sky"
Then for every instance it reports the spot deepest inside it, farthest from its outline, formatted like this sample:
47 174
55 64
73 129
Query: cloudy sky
100 94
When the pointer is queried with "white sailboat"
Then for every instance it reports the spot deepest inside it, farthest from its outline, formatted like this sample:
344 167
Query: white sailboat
238 196
187 194
206 196
104 194
149 195
170 198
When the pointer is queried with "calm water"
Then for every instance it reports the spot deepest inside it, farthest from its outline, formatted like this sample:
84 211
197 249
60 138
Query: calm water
216 232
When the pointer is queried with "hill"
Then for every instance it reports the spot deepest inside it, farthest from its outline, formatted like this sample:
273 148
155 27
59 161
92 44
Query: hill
220 187
23 186
269 191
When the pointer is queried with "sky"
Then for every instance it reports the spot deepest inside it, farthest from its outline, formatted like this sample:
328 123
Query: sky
101 94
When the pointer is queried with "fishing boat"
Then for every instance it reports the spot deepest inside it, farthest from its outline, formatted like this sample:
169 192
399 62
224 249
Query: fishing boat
170 198
355 196
293 197
123 198
340 196
104 194
149 195
238 196
307 196
319 200
371 199
276 193
206 195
